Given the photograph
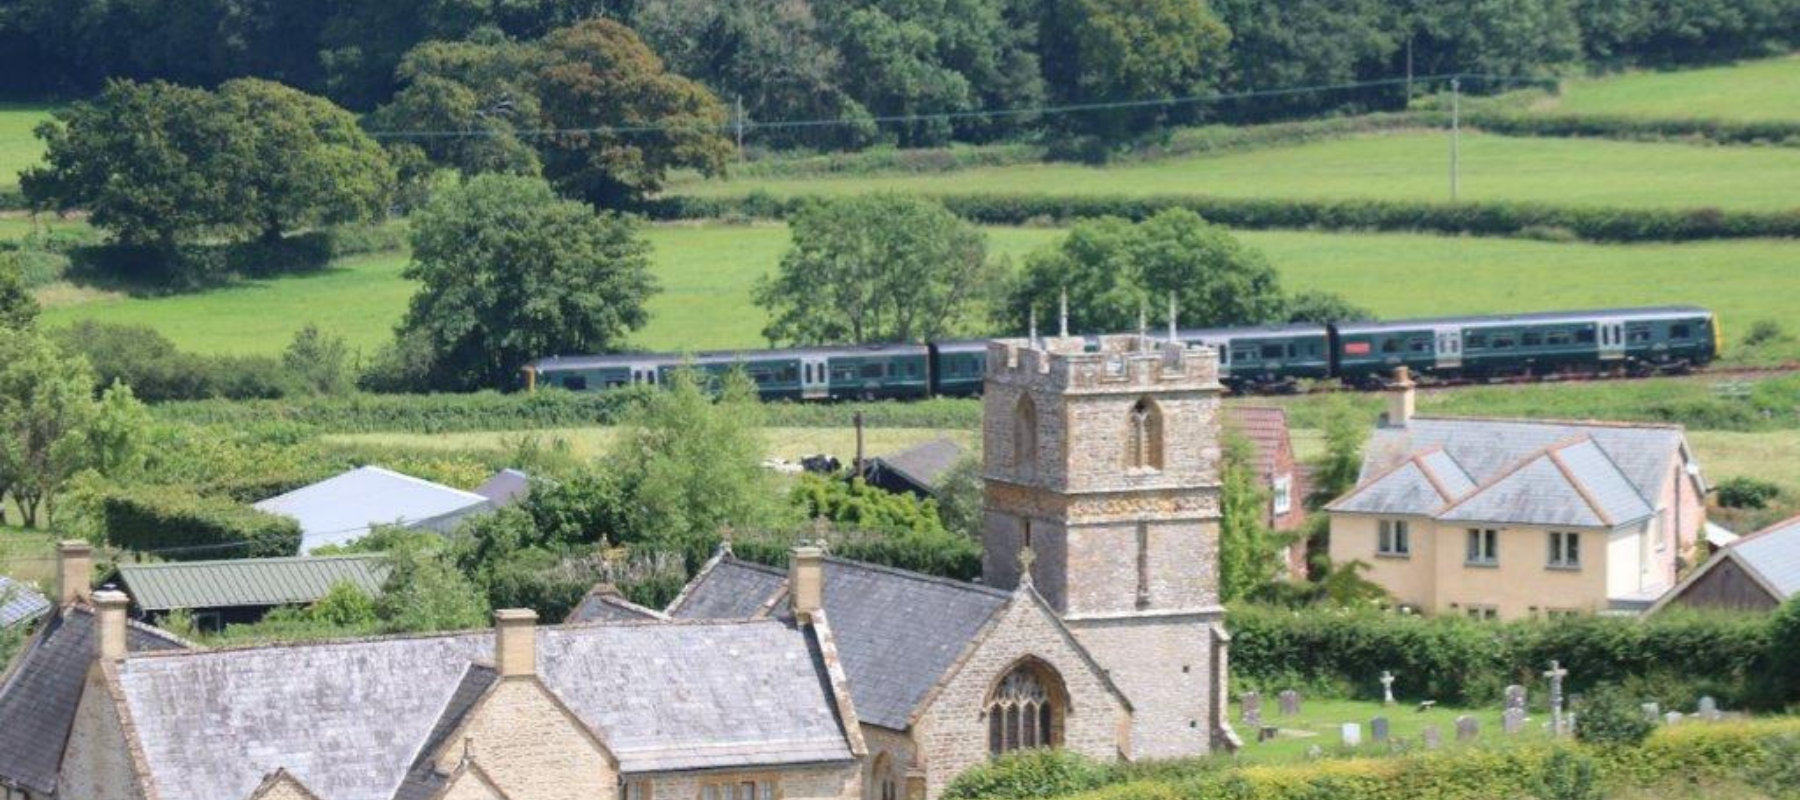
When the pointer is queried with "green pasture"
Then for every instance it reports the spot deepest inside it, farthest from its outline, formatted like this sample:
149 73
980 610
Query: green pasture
1407 165
791 444
18 148
1759 91
706 273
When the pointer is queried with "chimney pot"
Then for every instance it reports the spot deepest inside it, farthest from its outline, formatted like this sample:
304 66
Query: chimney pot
806 580
1401 398
75 569
515 642
111 606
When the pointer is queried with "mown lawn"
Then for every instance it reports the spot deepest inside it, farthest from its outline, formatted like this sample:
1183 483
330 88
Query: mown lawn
706 273
18 148
1767 89
1411 165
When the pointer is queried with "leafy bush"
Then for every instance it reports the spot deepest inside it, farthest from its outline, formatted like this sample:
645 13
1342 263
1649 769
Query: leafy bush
1764 331
142 357
1743 491
1569 775
181 526
1608 716
1028 775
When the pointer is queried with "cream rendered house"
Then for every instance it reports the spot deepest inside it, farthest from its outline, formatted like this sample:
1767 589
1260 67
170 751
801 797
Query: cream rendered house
1505 519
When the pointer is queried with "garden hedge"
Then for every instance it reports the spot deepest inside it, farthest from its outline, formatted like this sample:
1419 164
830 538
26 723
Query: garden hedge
180 526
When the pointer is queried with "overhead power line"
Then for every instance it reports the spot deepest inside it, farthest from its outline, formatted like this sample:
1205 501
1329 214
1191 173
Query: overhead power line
739 126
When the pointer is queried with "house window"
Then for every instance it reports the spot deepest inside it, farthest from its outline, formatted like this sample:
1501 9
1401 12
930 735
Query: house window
1561 613
1025 710
1284 495
1483 613
1565 550
739 789
1484 547
638 790
1394 539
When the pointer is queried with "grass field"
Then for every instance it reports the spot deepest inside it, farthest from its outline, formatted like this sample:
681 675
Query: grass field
1762 90
788 443
707 271
18 148
1412 165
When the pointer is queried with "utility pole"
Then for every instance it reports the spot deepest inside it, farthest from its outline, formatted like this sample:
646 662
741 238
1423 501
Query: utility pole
1409 69
738 125
1455 132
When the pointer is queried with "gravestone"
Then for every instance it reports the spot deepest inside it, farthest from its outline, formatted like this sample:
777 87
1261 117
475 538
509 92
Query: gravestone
1515 696
1351 733
1378 729
1672 718
1315 752
1290 703
1387 688
1467 728
1556 674
1652 712
1709 709
1267 733
1512 721
1431 737
1252 709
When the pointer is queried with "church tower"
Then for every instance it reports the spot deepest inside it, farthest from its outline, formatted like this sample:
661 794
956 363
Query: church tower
1104 465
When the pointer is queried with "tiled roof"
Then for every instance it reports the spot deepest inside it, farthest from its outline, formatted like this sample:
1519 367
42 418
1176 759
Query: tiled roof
923 465
20 603
729 588
38 698
1572 484
1265 427
249 581
898 632
1774 553
1423 484
342 509
603 603
349 719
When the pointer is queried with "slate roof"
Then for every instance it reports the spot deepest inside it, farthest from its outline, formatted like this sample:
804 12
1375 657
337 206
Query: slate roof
922 465
728 588
1267 429
1773 553
1516 471
603 603
505 487
349 719
20 603
897 632
422 780
38 697
342 508
249 581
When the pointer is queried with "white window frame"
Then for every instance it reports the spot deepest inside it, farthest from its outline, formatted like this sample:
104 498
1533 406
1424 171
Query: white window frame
1283 494
1481 613
1565 550
1393 538
1481 547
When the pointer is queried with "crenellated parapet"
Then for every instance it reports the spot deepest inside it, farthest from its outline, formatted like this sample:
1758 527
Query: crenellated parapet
1124 362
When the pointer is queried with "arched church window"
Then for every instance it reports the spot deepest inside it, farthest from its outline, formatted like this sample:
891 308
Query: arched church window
884 782
1145 442
1025 710
1025 437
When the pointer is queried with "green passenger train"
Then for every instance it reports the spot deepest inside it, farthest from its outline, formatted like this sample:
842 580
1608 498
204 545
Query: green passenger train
1257 359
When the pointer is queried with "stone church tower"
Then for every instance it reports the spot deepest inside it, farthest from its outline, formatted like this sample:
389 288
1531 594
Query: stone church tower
1104 467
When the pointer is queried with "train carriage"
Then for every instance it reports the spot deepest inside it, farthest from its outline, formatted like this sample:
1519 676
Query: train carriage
1270 358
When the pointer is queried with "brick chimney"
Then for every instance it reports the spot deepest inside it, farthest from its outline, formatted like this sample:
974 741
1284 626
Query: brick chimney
806 580
515 642
1401 399
111 606
74 571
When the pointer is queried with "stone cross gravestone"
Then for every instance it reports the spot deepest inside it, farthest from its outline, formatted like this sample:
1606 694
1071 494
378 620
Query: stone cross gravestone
1351 733
1290 702
1672 718
1556 674
1652 712
1709 709
1387 688
1513 721
1431 737
1252 709
1467 728
1515 696
1378 729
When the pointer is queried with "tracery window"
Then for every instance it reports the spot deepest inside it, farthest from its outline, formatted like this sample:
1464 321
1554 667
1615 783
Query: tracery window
1024 711
1146 440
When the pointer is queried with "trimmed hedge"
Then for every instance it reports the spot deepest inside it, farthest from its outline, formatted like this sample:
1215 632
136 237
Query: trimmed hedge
181 526
1618 126
1478 218
1672 657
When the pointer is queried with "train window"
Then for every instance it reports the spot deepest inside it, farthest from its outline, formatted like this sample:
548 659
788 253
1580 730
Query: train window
872 369
1585 336
788 374
1557 338
1390 346
1244 354
575 383
1503 340
1475 341
1638 334
1271 351
1419 345
1533 339
843 373
1680 330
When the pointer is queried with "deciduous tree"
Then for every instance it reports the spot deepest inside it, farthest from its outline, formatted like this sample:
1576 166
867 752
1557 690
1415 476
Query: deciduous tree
1100 51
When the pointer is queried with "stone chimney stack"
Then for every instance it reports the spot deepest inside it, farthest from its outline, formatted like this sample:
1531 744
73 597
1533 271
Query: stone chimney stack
111 605
515 642
806 580
74 570
1401 398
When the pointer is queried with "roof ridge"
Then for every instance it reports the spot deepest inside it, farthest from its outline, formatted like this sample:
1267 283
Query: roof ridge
244 561
1575 482
1383 475
404 476
1418 460
1523 462
1591 423
1623 475
922 577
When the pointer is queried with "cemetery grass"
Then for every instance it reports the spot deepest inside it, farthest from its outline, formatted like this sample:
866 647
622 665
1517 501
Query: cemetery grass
18 148
707 272
1761 90
1320 720
1404 165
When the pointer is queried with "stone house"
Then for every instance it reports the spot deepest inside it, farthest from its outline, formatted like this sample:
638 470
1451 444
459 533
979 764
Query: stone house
1505 518
1265 429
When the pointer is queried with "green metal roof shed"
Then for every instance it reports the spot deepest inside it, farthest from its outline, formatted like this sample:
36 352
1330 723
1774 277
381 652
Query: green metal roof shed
250 582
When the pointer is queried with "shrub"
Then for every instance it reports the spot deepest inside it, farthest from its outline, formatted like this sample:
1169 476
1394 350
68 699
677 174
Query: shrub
1027 775
181 526
1764 331
1569 775
1608 716
1743 491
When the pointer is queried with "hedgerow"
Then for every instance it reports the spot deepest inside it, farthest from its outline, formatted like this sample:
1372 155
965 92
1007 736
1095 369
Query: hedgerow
180 526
